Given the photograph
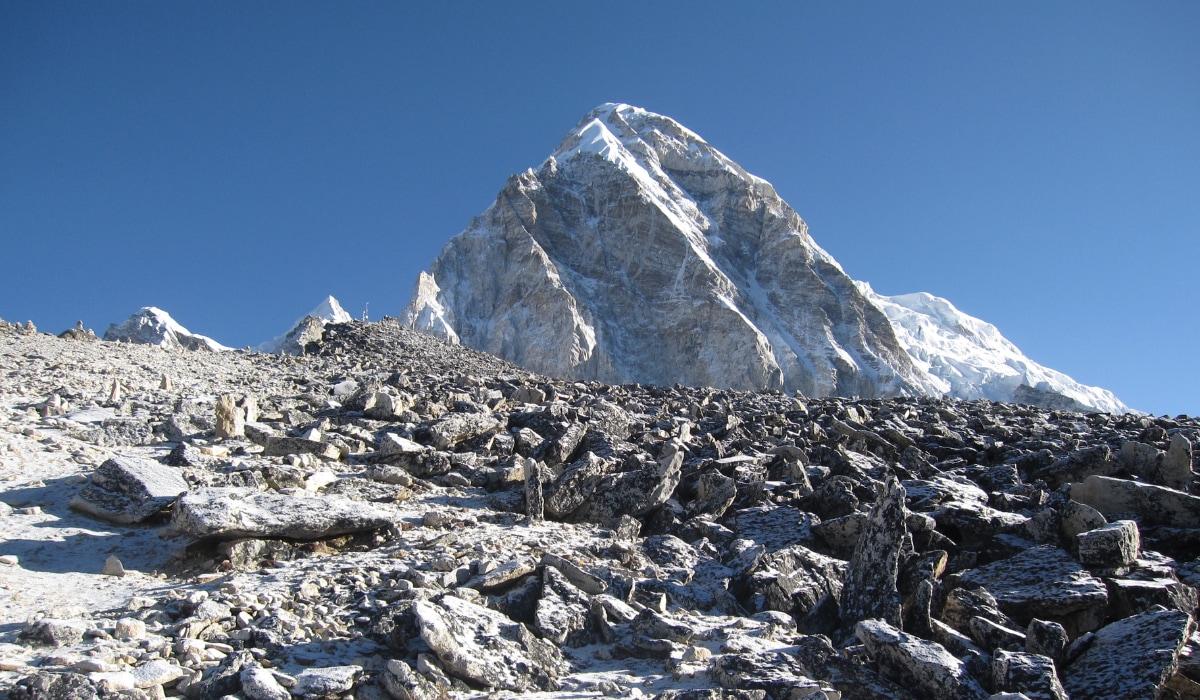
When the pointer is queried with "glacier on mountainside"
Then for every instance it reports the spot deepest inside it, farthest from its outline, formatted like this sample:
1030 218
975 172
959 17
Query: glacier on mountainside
637 252
153 326
970 359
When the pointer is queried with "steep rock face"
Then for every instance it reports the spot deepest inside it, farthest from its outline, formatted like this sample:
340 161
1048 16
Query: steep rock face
637 252
153 326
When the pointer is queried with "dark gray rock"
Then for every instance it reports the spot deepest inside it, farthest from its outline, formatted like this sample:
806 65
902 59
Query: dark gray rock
1115 545
486 648
226 678
233 513
993 636
577 483
635 492
55 686
792 580
281 446
457 428
1129 596
869 590
128 490
855 681
535 499
1046 583
1130 659
715 492
774 527
563 613
581 579
57 633
325 682
1033 676
1089 461
923 666
1077 517
1175 471
403 683
779 674
1046 639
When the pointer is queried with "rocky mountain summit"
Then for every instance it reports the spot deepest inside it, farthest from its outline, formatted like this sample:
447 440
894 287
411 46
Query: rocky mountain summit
153 326
639 253
390 516
307 328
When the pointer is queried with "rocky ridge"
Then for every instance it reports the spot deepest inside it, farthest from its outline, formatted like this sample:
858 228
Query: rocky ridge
389 516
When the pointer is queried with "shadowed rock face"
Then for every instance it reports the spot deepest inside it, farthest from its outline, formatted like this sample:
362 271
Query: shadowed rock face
637 252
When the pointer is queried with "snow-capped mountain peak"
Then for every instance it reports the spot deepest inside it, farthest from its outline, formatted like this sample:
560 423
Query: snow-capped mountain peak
637 252
328 311
968 358
153 326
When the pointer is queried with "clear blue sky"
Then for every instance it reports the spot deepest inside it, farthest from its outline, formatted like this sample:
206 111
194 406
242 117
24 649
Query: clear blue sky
1036 163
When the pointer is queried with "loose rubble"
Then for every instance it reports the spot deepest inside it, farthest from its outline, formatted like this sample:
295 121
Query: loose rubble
387 516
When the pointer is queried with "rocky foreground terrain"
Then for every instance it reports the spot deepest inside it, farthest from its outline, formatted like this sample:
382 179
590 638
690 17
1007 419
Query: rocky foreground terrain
392 517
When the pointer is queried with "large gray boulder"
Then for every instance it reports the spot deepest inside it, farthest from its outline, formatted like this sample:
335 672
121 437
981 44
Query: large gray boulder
127 490
1151 504
1130 659
234 513
1044 583
486 648
923 666
1115 545
635 492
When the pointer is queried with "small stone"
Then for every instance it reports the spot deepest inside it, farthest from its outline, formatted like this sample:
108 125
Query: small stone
129 628
230 419
156 672
9 560
113 567
260 684
324 682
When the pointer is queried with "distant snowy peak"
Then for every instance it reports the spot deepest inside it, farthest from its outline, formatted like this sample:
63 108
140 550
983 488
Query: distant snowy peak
153 326
330 311
968 358
292 342
426 314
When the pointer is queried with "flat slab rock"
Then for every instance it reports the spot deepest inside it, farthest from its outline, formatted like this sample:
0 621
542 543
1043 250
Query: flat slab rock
1041 582
1131 658
128 490
235 513
487 648
1153 505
